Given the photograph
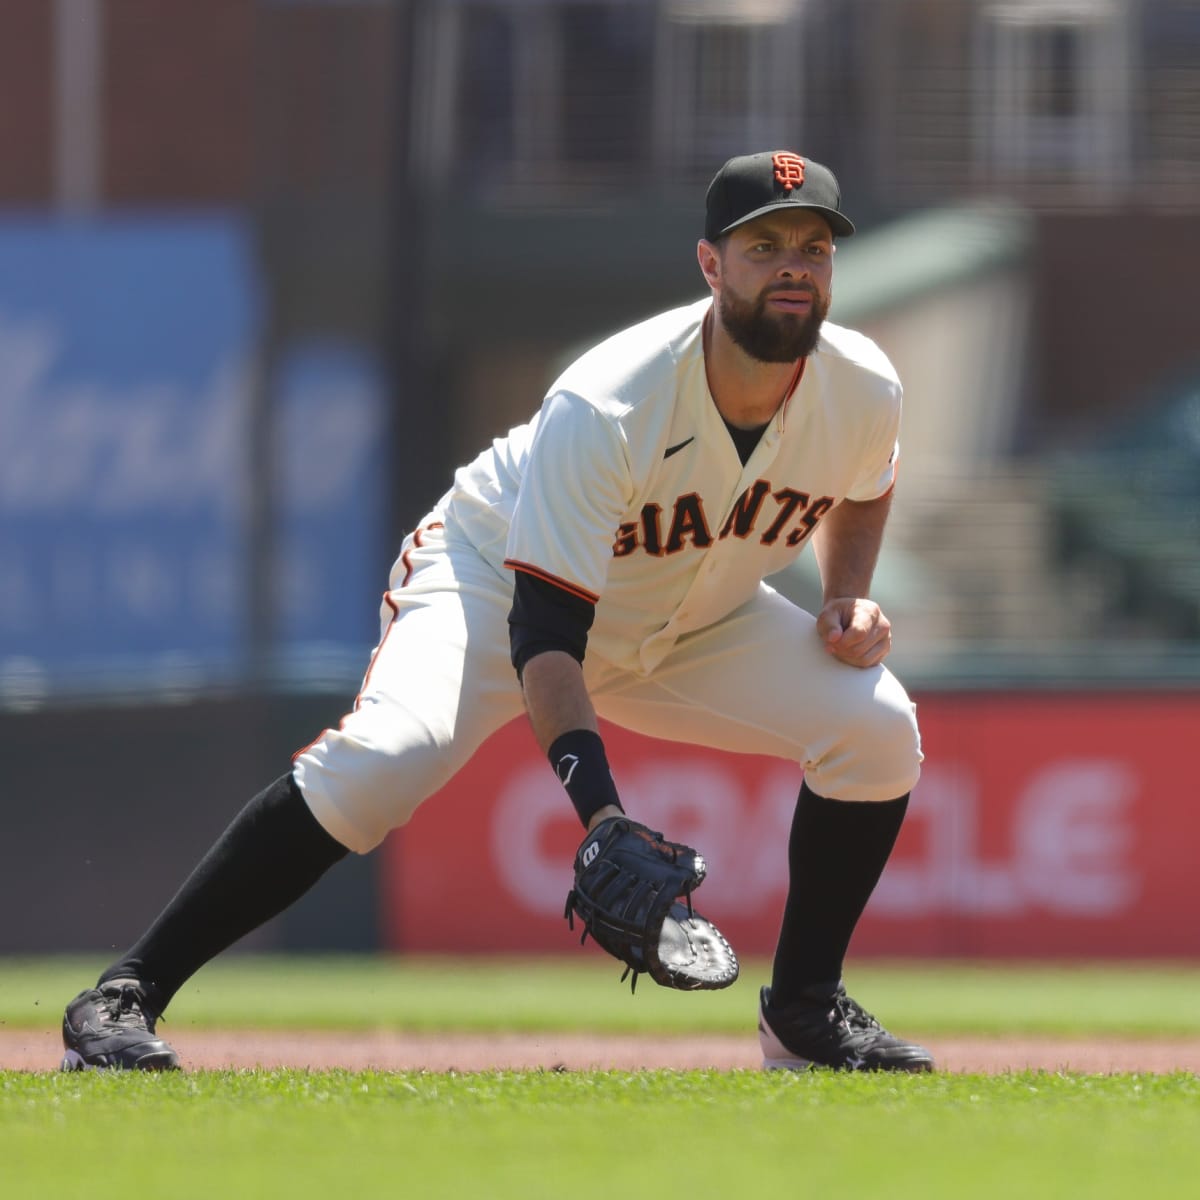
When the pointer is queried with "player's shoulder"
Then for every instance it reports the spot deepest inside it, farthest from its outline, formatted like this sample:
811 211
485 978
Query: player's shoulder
638 362
856 351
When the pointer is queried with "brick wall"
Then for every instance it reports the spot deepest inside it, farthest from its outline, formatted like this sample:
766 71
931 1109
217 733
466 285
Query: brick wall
26 115
178 94
209 102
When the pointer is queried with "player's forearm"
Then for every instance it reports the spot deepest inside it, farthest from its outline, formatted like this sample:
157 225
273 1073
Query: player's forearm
556 697
847 546
564 723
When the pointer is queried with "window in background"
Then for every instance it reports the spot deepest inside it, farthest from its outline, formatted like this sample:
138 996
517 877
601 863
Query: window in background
1170 102
537 97
605 79
485 104
547 98
1053 92
727 75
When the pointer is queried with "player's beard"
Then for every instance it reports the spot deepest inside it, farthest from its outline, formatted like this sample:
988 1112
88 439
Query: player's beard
771 336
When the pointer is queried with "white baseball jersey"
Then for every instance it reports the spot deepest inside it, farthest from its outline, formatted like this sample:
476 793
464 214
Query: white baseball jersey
627 489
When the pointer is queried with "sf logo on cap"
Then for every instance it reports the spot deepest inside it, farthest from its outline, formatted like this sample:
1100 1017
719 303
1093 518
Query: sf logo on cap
789 169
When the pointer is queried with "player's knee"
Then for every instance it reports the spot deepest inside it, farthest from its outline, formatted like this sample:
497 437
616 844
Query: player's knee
892 746
878 755
367 779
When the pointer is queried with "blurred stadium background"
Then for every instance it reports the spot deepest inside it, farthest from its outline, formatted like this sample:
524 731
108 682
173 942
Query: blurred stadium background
270 269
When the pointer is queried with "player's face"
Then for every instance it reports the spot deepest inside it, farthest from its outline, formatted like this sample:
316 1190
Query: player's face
775 279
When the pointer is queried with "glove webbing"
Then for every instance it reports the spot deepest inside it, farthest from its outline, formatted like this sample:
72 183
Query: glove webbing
573 907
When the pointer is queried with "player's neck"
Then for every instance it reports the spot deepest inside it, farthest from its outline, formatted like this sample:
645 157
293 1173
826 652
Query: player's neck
747 392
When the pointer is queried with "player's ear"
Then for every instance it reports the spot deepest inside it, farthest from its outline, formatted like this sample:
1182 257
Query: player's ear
709 258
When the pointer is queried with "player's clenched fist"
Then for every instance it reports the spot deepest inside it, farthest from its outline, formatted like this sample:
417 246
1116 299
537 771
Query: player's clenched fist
855 631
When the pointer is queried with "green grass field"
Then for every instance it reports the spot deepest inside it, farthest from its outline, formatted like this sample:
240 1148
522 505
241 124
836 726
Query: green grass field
591 1134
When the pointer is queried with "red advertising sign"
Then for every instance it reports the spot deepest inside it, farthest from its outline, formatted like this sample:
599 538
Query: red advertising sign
1059 825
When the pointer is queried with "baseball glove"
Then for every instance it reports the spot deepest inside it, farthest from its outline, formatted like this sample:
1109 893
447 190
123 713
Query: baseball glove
633 894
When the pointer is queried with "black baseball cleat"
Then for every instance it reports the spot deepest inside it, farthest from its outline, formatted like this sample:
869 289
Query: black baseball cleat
113 1026
831 1030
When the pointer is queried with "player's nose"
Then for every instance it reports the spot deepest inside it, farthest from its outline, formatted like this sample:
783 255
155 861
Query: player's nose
795 265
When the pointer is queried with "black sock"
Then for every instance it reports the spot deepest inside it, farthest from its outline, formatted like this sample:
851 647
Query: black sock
836 854
270 855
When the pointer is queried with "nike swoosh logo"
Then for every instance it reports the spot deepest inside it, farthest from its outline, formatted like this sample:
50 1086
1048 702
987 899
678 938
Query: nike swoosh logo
676 449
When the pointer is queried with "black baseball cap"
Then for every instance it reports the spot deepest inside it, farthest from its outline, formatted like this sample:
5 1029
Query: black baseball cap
753 184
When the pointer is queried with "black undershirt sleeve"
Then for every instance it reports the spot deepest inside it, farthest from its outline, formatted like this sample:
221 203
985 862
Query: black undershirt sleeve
545 617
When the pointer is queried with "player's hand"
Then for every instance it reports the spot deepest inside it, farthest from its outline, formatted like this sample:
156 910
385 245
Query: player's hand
855 631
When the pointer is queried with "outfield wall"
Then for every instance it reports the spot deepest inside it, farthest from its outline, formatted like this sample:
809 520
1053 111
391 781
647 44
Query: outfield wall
105 806
1044 825
1060 825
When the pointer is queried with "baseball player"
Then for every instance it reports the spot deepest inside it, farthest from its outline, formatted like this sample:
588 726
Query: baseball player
607 558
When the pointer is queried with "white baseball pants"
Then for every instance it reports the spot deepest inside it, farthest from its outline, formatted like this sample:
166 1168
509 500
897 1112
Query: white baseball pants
440 682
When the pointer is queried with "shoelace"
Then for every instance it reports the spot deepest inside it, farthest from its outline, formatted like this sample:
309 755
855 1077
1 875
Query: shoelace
855 1017
128 1007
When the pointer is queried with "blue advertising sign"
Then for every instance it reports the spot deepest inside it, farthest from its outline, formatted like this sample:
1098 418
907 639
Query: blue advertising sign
330 550
127 368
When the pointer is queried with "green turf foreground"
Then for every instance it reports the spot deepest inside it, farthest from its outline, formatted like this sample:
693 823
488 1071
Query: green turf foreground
579 1135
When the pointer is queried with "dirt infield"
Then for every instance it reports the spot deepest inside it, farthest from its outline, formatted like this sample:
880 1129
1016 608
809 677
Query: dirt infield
39 1051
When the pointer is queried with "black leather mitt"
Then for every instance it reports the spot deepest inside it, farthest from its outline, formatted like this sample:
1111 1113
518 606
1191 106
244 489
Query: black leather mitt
633 894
